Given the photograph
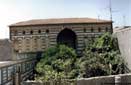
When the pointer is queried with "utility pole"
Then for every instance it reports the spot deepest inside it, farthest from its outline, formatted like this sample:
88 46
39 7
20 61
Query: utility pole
110 9
98 18
124 20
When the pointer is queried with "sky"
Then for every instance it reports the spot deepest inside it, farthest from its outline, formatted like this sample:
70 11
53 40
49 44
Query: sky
12 11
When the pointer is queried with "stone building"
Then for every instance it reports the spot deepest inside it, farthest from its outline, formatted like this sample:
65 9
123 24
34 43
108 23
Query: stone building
38 35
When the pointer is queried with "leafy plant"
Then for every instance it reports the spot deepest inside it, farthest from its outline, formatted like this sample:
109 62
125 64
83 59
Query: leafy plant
102 58
57 63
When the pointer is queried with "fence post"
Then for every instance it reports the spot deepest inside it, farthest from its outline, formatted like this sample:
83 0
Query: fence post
17 77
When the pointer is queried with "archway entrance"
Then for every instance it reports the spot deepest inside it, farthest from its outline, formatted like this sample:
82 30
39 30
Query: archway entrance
67 37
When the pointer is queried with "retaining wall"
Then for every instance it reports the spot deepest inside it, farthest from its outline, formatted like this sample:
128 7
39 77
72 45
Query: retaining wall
122 79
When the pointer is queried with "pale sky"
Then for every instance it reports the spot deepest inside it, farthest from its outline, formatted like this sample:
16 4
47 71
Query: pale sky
12 11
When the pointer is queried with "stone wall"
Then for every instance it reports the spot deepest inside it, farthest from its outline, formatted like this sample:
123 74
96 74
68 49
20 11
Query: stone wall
124 40
5 50
122 79
38 38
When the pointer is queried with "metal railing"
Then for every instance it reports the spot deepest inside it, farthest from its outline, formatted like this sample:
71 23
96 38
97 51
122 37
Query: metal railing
12 72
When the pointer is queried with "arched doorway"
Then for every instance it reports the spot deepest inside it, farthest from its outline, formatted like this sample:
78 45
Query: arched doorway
67 37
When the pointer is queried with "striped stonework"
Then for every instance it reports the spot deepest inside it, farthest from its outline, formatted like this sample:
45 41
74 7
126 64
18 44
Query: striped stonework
38 35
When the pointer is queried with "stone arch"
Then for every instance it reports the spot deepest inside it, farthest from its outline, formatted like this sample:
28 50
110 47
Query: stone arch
67 37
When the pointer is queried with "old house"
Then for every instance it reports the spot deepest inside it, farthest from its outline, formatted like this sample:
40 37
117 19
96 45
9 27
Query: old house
37 35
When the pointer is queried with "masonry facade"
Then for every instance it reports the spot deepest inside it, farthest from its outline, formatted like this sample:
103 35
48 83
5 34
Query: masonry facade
38 35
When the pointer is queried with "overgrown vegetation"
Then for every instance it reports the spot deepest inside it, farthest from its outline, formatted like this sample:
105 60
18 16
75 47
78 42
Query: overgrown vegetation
57 63
100 58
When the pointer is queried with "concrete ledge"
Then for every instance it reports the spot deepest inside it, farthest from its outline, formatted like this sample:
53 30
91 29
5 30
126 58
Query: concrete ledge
121 79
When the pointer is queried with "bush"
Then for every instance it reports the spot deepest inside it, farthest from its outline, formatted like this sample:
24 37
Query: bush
102 58
57 63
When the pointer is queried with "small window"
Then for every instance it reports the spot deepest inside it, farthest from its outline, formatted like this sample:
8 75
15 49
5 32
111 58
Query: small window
15 32
106 29
99 29
31 32
85 37
92 29
47 31
84 29
39 31
23 32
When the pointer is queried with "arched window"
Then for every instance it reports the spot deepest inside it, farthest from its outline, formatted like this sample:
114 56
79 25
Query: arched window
31 32
67 37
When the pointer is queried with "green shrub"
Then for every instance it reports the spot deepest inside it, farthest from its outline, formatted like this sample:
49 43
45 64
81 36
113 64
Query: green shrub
100 58
57 63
